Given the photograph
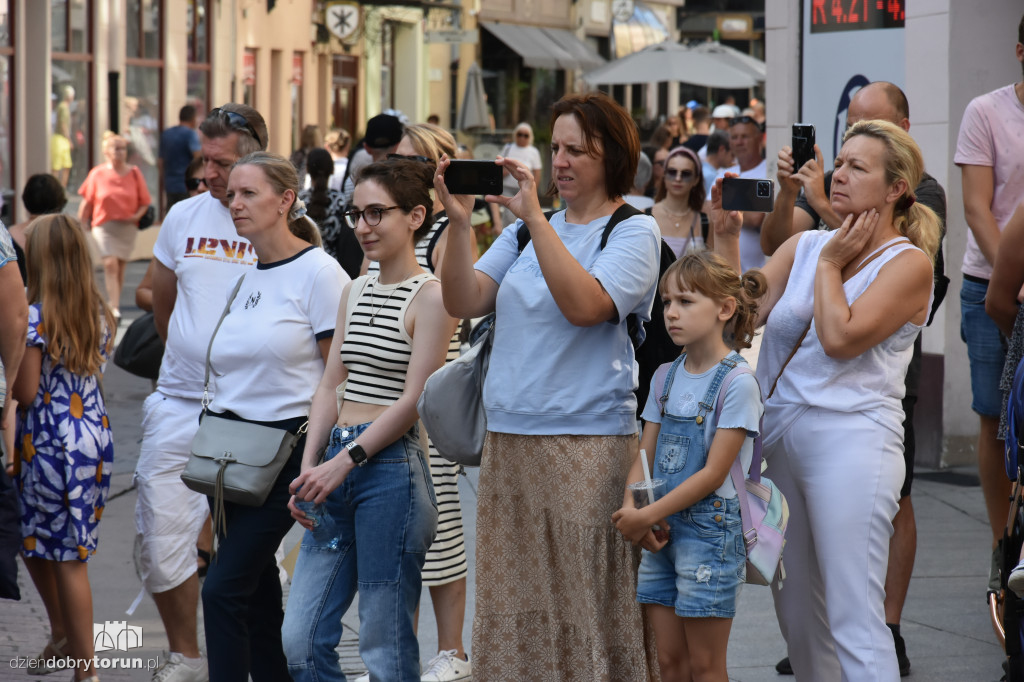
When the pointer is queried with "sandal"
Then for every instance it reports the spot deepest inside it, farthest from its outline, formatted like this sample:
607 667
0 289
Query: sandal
52 651
204 562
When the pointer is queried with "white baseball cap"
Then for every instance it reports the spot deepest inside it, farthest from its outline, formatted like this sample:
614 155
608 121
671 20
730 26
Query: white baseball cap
723 111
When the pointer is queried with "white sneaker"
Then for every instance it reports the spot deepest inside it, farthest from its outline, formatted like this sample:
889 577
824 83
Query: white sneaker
176 668
447 667
1016 580
363 678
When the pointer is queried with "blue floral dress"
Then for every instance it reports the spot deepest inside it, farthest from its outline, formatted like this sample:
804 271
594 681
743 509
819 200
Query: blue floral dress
65 451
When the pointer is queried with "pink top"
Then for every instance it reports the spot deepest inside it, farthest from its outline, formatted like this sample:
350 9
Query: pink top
992 134
114 196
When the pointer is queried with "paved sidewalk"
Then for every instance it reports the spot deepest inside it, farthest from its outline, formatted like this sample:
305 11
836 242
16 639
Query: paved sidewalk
945 624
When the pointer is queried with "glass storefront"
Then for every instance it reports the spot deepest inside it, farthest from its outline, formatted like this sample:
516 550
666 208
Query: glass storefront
6 119
142 107
71 91
199 56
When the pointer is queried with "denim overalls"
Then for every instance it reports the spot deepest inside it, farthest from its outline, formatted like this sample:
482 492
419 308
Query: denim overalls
700 571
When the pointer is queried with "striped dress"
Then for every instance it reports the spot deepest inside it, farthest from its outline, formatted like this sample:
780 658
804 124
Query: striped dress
446 559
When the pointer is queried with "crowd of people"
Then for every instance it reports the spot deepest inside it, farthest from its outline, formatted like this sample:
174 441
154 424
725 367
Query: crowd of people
331 288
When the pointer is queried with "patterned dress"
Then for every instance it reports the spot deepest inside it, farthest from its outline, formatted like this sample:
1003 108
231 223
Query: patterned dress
65 451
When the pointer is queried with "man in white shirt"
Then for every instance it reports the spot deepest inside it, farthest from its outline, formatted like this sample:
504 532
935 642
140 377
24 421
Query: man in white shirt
198 255
746 142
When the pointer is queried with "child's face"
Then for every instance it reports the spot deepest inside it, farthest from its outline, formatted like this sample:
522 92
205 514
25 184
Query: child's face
690 316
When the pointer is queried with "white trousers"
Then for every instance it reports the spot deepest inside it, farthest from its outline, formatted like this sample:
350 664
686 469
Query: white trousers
841 475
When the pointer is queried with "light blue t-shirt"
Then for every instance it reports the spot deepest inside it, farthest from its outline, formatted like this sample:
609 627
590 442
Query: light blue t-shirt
741 409
546 375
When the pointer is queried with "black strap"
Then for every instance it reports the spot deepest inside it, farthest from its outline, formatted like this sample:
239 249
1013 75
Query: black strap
433 240
621 213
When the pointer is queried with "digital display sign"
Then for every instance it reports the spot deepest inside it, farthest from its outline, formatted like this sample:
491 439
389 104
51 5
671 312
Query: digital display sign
854 15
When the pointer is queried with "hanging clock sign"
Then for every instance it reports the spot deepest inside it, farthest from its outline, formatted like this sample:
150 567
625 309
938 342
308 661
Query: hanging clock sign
342 19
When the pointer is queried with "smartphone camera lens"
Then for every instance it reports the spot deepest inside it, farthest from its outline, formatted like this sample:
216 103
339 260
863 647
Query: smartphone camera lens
764 189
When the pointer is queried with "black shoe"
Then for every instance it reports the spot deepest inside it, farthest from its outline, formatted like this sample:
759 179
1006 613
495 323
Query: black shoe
783 667
901 650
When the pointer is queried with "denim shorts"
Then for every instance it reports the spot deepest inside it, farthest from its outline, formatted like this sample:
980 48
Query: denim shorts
986 350
700 571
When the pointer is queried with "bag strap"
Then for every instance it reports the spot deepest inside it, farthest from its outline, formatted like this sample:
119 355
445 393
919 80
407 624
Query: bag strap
735 472
660 377
623 212
209 348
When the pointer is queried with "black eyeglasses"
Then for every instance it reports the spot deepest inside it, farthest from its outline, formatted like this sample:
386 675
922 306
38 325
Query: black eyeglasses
680 174
237 121
192 184
417 157
371 216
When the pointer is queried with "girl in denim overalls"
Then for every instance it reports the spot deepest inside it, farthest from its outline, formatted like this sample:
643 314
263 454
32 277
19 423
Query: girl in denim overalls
689 580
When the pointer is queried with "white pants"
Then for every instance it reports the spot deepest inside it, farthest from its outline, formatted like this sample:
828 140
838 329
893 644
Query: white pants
841 475
168 516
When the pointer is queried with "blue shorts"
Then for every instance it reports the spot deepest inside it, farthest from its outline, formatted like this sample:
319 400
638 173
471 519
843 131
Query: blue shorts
986 350
700 571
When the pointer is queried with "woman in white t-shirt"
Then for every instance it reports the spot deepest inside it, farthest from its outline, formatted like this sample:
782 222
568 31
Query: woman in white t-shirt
843 310
266 359
521 149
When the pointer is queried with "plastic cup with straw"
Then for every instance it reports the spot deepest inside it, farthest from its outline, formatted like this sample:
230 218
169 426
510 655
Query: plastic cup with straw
645 492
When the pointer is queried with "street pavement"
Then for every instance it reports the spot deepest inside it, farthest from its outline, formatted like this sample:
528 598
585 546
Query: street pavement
945 623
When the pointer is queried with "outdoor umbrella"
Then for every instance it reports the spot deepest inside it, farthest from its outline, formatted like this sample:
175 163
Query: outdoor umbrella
731 55
473 112
671 61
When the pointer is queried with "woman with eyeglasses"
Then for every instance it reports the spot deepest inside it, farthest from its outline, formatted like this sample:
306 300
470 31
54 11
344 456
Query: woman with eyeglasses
678 203
115 197
446 568
373 480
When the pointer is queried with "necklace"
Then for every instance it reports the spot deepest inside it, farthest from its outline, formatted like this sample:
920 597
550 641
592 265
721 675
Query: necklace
373 295
678 216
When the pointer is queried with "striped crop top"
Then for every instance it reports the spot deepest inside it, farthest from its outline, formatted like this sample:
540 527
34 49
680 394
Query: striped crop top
377 346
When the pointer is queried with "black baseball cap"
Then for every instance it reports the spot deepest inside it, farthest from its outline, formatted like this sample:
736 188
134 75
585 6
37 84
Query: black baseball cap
383 131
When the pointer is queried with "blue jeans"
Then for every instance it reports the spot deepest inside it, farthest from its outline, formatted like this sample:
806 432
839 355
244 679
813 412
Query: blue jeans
986 350
387 515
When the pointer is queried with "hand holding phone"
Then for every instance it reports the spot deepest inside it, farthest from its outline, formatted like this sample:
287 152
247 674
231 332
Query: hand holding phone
748 194
473 177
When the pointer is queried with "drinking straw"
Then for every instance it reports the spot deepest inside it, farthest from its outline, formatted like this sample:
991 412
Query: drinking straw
647 476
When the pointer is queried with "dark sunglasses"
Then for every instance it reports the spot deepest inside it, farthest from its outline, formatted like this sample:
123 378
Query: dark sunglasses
744 119
237 121
416 157
680 174
192 184
522 134
371 216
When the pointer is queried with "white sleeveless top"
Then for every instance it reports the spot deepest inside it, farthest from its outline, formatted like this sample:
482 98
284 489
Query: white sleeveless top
871 383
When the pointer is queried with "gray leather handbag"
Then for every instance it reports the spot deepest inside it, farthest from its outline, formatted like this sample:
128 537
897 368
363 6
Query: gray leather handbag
452 403
231 460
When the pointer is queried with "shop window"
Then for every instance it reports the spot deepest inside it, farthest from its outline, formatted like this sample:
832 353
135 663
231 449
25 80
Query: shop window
71 91
199 55
142 108
6 111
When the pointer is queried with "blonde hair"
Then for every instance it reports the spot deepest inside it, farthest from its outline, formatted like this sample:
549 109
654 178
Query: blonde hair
903 161
281 175
430 140
60 278
110 137
710 274
337 140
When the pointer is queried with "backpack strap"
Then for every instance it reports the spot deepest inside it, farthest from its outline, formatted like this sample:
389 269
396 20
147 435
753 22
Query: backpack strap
621 213
735 471
523 233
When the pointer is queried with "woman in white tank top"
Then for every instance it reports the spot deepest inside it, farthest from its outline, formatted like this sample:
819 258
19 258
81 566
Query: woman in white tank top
374 483
850 302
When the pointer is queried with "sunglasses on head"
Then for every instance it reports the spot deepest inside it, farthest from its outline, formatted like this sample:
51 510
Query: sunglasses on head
192 184
416 157
237 122
744 119
680 174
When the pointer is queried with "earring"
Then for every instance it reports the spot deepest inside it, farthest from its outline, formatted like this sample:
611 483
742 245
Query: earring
280 212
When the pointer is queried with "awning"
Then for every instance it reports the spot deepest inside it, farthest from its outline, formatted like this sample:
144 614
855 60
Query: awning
546 48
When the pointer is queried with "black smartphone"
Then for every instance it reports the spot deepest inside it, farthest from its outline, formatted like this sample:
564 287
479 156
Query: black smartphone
473 177
803 144
748 194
